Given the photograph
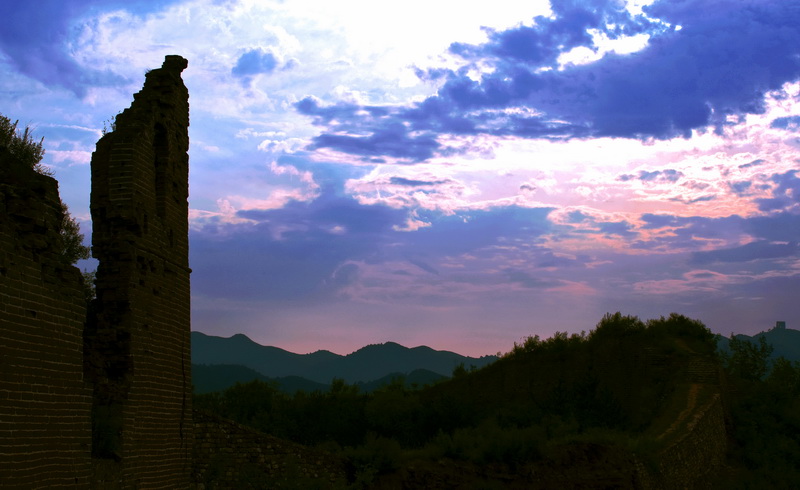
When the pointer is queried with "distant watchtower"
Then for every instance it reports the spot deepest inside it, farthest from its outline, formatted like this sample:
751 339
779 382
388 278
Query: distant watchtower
137 347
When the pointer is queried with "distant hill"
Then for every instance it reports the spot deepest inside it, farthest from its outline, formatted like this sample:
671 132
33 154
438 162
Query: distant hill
415 379
207 379
218 377
785 342
365 365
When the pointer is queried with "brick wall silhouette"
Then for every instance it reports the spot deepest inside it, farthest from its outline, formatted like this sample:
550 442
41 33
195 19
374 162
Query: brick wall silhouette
137 337
44 402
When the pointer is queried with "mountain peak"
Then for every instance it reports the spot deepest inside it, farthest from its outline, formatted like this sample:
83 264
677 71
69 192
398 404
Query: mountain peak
366 364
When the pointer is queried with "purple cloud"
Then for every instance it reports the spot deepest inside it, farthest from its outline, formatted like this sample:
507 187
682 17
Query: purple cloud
745 253
34 37
707 60
789 123
667 175
785 195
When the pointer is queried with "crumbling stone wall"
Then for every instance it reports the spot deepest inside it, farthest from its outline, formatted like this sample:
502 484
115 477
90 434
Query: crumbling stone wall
137 337
44 402
698 451
230 455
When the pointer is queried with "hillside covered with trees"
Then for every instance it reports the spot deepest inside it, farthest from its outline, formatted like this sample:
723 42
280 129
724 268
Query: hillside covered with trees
585 409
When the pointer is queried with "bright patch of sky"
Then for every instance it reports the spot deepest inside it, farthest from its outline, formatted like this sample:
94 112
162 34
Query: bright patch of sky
448 173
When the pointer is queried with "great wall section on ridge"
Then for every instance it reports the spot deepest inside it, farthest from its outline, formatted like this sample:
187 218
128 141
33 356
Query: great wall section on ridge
100 397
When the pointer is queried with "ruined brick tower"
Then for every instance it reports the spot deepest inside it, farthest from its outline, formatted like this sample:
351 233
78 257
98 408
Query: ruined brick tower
137 346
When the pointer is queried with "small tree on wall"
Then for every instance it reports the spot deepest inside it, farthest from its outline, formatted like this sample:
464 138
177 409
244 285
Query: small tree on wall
30 152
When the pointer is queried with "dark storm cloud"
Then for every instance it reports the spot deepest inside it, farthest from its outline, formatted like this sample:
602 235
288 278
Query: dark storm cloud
707 60
34 37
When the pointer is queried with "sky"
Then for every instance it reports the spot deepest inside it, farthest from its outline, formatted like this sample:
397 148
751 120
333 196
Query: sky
455 174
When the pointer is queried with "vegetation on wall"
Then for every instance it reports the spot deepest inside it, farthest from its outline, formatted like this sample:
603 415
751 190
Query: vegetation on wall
22 146
28 151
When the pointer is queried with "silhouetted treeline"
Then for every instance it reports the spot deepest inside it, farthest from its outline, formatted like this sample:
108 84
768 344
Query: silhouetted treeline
764 401
607 386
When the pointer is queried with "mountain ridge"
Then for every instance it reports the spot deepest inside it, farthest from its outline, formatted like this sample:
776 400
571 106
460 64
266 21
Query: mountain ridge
367 364
784 341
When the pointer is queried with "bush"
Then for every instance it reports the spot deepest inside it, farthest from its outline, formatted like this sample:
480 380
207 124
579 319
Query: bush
616 326
22 146
26 150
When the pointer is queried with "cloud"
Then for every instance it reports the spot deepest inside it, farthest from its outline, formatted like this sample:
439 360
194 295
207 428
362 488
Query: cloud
402 181
526 280
299 252
779 227
667 175
754 163
708 62
314 251
255 62
751 251
35 38
789 123
392 141
740 188
786 193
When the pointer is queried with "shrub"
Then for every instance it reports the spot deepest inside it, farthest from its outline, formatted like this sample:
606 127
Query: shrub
22 146
26 150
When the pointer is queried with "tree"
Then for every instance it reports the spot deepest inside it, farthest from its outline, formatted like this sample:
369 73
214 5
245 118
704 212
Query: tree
22 146
616 325
747 360
71 247
26 150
